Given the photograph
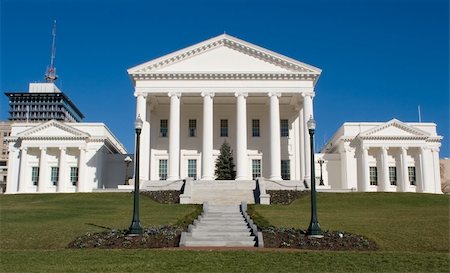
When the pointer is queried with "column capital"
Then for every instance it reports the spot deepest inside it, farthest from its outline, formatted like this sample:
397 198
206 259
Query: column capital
207 94
435 149
171 94
238 94
270 94
140 94
62 148
404 149
384 148
308 94
43 149
24 149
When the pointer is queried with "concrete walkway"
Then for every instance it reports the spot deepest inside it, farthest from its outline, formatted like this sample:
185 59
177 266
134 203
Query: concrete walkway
219 226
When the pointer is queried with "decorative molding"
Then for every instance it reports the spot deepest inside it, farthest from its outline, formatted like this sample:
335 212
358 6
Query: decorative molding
27 134
225 76
171 94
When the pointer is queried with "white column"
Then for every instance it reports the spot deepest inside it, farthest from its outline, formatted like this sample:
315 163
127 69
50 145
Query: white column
207 150
404 170
307 114
437 175
82 171
12 178
174 137
275 144
62 174
384 183
344 177
23 182
42 185
144 152
241 137
363 180
301 135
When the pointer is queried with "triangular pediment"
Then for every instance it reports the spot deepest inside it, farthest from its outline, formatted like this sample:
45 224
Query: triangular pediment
225 54
53 129
394 128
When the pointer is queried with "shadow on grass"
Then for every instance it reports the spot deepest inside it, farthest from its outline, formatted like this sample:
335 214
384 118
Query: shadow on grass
95 225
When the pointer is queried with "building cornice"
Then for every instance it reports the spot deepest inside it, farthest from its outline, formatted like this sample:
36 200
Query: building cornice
226 76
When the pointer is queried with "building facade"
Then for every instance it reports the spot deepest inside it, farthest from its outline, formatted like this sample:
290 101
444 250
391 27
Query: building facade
42 102
226 89
5 131
54 156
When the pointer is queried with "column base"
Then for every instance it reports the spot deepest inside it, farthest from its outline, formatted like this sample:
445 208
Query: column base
276 178
241 178
207 178
173 178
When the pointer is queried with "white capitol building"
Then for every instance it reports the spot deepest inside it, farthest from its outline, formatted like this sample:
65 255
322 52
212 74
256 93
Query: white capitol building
226 89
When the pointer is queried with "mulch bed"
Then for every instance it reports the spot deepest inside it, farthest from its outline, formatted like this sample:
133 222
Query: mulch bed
153 237
285 197
332 240
163 197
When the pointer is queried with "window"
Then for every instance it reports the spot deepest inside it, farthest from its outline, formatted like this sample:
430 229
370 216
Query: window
192 168
255 127
163 128
373 176
192 127
256 168
412 175
35 175
74 175
393 175
285 170
284 128
224 127
163 169
54 176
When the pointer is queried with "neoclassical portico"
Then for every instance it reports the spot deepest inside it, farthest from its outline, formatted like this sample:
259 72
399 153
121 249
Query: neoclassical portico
225 84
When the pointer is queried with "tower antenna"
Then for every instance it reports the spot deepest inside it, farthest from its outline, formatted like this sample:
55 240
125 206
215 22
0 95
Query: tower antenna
50 74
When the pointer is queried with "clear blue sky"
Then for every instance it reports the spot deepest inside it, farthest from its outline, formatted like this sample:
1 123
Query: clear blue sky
380 58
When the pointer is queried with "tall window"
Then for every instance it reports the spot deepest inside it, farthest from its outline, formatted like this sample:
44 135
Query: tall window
163 128
192 127
224 127
74 175
412 175
285 170
163 169
373 176
54 176
284 128
256 168
192 168
255 127
393 175
35 175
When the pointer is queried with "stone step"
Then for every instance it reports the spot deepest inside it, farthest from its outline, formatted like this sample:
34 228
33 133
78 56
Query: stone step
220 233
222 220
221 229
220 243
228 237
225 224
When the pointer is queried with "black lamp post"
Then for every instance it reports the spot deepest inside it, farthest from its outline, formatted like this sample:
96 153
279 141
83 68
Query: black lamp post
314 227
135 228
321 161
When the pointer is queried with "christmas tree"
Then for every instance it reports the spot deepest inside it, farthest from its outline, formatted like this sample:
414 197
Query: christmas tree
224 164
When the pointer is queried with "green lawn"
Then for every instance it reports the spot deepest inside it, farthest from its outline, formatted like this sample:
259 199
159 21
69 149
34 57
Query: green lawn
396 221
412 230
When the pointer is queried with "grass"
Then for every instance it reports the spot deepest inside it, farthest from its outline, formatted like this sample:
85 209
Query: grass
411 229
49 221
396 221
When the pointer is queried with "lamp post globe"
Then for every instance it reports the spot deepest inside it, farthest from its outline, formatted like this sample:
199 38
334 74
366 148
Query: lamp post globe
314 227
135 227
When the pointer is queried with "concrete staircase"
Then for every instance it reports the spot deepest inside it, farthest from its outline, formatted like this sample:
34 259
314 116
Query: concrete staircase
220 226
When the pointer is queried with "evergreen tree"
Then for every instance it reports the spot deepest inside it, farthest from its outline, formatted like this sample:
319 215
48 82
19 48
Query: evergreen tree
224 163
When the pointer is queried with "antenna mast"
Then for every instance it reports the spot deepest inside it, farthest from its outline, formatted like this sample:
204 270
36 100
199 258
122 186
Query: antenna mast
50 74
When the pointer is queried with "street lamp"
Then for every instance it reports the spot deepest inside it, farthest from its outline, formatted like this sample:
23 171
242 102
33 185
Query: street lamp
314 227
321 161
127 162
135 227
